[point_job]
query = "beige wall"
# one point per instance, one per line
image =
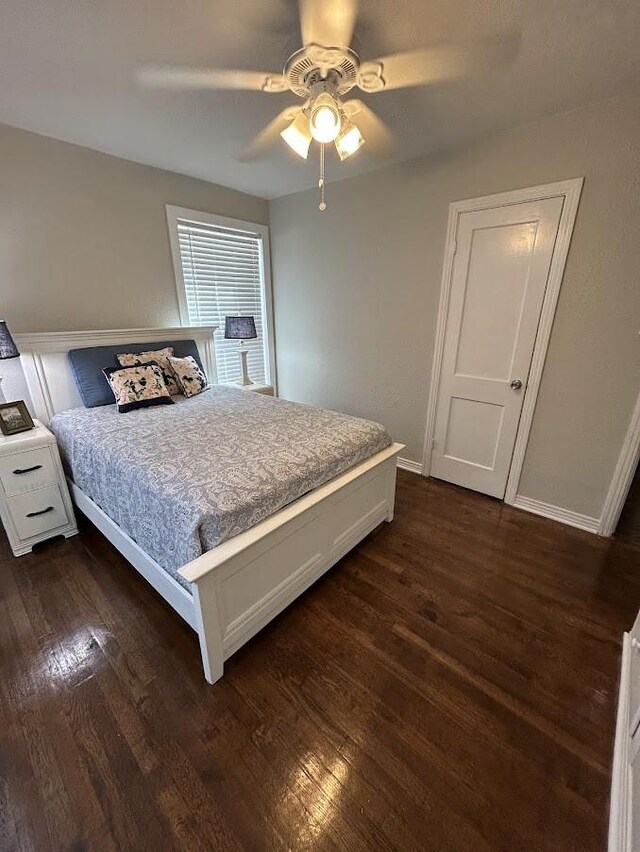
(356, 292)
(83, 237)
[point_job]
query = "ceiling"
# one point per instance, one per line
(67, 70)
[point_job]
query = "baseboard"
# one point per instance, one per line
(556, 513)
(411, 466)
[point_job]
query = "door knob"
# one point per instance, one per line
(516, 384)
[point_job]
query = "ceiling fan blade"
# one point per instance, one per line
(328, 23)
(437, 64)
(269, 135)
(379, 140)
(184, 77)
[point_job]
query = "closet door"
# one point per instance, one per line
(498, 282)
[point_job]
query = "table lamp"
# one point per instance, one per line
(241, 328)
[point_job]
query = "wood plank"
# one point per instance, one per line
(450, 684)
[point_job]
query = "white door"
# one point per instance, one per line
(498, 281)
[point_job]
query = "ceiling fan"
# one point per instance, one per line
(326, 69)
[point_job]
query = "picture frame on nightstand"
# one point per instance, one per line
(15, 418)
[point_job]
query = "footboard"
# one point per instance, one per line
(245, 582)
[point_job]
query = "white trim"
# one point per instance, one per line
(272, 379)
(619, 808)
(175, 213)
(622, 475)
(438, 346)
(62, 341)
(571, 190)
(556, 513)
(411, 466)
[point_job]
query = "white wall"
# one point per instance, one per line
(356, 292)
(84, 241)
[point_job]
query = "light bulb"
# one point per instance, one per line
(325, 119)
(325, 124)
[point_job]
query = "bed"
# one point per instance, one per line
(229, 503)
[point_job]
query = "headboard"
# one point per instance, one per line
(48, 372)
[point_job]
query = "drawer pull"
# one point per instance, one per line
(18, 471)
(41, 512)
(635, 644)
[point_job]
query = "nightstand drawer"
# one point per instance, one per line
(38, 511)
(22, 472)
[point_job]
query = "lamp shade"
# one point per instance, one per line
(8, 348)
(239, 328)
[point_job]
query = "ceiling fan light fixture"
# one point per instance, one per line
(325, 118)
(297, 135)
(349, 140)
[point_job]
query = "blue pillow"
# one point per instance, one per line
(87, 365)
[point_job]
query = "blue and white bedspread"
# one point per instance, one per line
(180, 479)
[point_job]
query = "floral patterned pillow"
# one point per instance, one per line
(137, 387)
(160, 357)
(190, 377)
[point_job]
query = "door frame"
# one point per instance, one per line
(622, 476)
(570, 191)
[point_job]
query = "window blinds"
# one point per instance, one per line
(222, 271)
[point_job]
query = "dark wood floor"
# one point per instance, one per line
(450, 685)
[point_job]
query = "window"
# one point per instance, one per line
(221, 267)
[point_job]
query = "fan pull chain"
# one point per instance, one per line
(322, 205)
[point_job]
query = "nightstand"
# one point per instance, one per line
(267, 390)
(34, 498)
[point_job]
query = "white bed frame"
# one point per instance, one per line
(239, 586)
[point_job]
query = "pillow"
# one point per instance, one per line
(161, 358)
(88, 361)
(137, 387)
(190, 377)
